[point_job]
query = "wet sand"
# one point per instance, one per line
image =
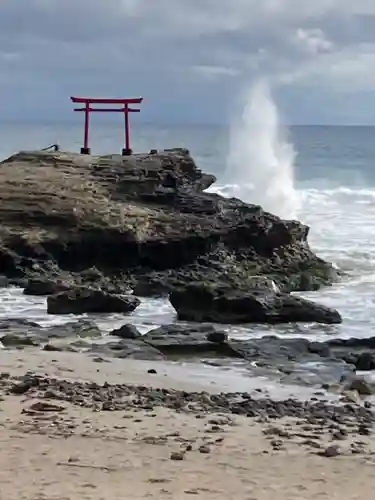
(57, 451)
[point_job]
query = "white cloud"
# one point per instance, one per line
(183, 49)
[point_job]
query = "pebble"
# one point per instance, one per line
(204, 449)
(313, 417)
(331, 451)
(177, 455)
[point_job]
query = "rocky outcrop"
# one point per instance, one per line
(291, 360)
(145, 220)
(203, 303)
(81, 300)
(19, 333)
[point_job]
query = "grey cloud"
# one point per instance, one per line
(180, 50)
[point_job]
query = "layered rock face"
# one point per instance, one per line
(142, 221)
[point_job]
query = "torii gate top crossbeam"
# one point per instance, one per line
(106, 100)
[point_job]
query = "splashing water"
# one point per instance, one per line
(260, 159)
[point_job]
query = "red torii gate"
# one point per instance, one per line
(87, 101)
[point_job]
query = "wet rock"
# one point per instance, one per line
(148, 287)
(59, 348)
(365, 361)
(14, 340)
(44, 287)
(81, 328)
(17, 324)
(360, 385)
(127, 331)
(53, 348)
(217, 337)
(79, 301)
(4, 282)
(203, 303)
(188, 340)
(127, 348)
(20, 333)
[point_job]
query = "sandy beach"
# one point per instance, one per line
(58, 451)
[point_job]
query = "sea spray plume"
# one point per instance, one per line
(260, 159)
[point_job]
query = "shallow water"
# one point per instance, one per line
(334, 183)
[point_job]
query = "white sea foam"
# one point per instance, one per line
(260, 159)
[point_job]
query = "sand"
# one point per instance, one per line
(79, 454)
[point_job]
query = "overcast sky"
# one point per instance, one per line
(190, 59)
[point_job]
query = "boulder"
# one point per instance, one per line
(44, 287)
(126, 332)
(4, 282)
(203, 303)
(79, 301)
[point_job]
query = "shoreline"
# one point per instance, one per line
(186, 376)
(118, 434)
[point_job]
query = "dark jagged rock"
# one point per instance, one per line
(126, 332)
(21, 333)
(142, 217)
(79, 301)
(44, 287)
(148, 287)
(17, 340)
(4, 282)
(82, 329)
(207, 303)
(185, 341)
(127, 348)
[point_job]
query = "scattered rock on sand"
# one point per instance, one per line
(177, 455)
(86, 300)
(204, 449)
(331, 451)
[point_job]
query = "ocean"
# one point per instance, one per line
(321, 175)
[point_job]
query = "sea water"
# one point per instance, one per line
(324, 176)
